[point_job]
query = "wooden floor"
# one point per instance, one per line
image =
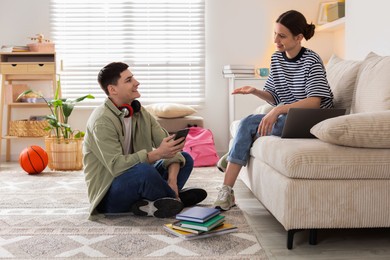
(331, 244)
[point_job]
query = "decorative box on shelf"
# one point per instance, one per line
(42, 44)
(41, 47)
(335, 11)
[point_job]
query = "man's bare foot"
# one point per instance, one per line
(175, 189)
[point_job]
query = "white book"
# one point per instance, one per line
(233, 71)
(239, 75)
(239, 67)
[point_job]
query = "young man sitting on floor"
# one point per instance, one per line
(131, 163)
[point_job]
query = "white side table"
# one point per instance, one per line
(240, 105)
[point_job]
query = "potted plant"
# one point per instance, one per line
(63, 145)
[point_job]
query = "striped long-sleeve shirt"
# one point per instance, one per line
(291, 80)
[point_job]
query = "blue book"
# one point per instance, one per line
(198, 214)
(206, 226)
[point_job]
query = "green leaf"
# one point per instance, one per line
(57, 94)
(64, 125)
(56, 102)
(51, 117)
(53, 123)
(67, 108)
(79, 135)
(84, 97)
(25, 93)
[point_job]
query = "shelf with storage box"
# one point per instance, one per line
(21, 71)
(332, 26)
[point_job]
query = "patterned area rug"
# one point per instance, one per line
(45, 216)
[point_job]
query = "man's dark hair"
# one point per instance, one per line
(110, 74)
(296, 23)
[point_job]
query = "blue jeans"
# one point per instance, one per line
(247, 134)
(142, 181)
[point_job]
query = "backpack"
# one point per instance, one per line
(200, 145)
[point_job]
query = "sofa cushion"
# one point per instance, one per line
(369, 130)
(170, 110)
(315, 159)
(373, 85)
(263, 109)
(234, 127)
(172, 125)
(341, 75)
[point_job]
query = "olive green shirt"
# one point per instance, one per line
(103, 147)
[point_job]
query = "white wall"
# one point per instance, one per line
(367, 28)
(237, 31)
(20, 19)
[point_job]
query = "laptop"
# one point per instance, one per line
(299, 121)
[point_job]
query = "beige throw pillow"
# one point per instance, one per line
(368, 130)
(373, 85)
(170, 110)
(341, 75)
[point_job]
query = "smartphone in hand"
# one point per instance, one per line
(181, 133)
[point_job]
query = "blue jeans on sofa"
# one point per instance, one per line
(247, 134)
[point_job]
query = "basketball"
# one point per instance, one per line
(33, 159)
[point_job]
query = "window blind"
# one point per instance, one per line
(161, 40)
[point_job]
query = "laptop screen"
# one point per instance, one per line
(299, 121)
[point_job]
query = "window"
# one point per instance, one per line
(161, 40)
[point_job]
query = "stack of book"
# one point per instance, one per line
(199, 222)
(238, 71)
(8, 48)
(20, 49)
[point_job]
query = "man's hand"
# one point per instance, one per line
(167, 149)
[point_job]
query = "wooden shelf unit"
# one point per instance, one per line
(23, 66)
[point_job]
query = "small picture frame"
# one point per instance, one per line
(322, 13)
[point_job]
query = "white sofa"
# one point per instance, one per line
(341, 179)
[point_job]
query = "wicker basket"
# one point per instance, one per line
(64, 154)
(28, 128)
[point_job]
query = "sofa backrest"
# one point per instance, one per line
(341, 75)
(372, 92)
(360, 86)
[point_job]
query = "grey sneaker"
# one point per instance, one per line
(222, 163)
(225, 199)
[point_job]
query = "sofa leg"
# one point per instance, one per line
(313, 236)
(290, 237)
